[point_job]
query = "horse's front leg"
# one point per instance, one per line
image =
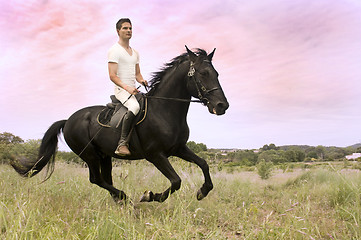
(163, 165)
(190, 156)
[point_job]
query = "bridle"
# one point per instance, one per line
(199, 86)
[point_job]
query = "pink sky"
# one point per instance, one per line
(291, 70)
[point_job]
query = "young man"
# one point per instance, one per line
(123, 66)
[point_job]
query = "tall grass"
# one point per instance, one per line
(307, 204)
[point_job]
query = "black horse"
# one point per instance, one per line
(163, 133)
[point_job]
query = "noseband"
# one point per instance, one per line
(199, 85)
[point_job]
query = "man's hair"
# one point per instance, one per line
(121, 21)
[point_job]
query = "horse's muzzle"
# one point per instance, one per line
(218, 109)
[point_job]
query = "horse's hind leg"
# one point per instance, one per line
(163, 165)
(190, 156)
(106, 173)
(100, 172)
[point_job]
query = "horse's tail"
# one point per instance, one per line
(47, 152)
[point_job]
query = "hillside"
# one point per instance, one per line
(357, 145)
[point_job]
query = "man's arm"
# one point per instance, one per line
(113, 68)
(138, 75)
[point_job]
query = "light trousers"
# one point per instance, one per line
(127, 100)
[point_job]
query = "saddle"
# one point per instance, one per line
(112, 115)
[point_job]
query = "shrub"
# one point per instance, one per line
(264, 169)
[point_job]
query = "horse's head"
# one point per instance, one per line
(203, 83)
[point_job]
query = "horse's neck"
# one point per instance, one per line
(174, 85)
(174, 88)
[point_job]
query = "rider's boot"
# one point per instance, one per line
(122, 149)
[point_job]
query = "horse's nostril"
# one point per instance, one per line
(223, 105)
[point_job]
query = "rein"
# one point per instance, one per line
(173, 99)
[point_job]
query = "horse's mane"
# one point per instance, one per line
(175, 62)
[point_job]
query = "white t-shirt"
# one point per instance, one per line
(126, 63)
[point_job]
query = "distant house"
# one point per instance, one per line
(227, 150)
(353, 156)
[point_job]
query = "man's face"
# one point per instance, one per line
(125, 31)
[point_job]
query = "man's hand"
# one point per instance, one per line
(131, 90)
(144, 83)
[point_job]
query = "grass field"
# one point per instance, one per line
(321, 203)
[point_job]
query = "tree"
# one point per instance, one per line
(294, 155)
(272, 156)
(5, 153)
(312, 154)
(250, 156)
(196, 147)
(265, 147)
(202, 146)
(300, 156)
(335, 153)
(28, 149)
(290, 156)
(272, 146)
(320, 152)
(358, 150)
(9, 138)
(247, 157)
(7, 142)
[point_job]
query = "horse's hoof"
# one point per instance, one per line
(147, 196)
(200, 195)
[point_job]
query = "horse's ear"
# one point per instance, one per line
(210, 56)
(192, 55)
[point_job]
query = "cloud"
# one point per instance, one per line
(47, 46)
(281, 63)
